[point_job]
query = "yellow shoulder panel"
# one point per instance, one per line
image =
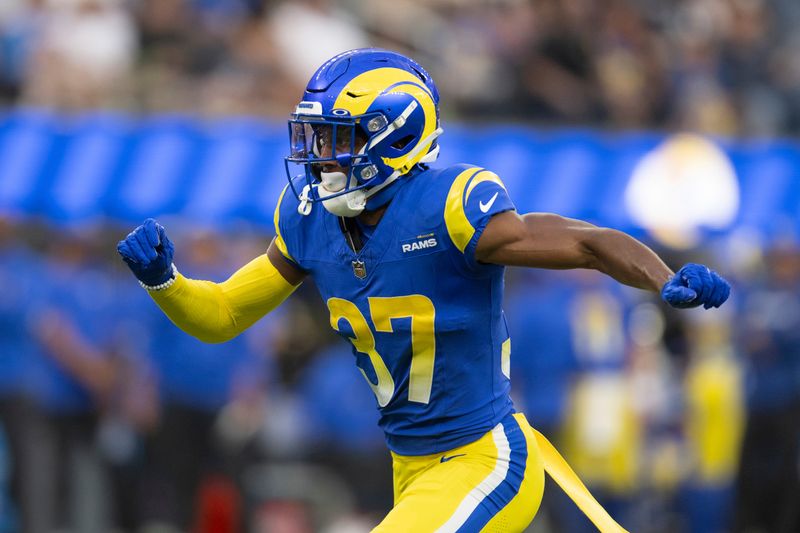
(458, 225)
(482, 176)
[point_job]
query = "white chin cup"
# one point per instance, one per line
(332, 182)
(350, 204)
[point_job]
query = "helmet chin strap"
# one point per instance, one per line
(353, 203)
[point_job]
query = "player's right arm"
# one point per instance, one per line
(545, 240)
(212, 312)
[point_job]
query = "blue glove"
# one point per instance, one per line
(148, 253)
(695, 285)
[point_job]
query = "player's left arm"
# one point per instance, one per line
(546, 240)
(212, 312)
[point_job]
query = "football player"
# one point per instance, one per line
(410, 260)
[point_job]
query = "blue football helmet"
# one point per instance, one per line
(367, 117)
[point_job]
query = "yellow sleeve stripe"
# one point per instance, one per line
(481, 177)
(568, 480)
(279, 242)
(458, 226)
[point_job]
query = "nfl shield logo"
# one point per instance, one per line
(359, 269)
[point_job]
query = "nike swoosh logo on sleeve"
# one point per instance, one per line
(485, 207)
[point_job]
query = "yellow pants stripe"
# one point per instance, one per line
(568, 480)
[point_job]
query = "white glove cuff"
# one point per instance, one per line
(162, 286)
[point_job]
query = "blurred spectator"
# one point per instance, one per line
(714, 420)
(73, 379)
(342, 425)
(253, 78)
(21, 24)
(132, 412)
(603, 435)
(8, 514)
(295, 25)
(83, 56)
(187, 459)
(558, 76)
(768, 487)
(20, 417)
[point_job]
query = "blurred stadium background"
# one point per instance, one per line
(673, 120)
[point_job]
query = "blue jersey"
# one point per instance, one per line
(424, 317)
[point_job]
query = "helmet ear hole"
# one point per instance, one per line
(403, 142)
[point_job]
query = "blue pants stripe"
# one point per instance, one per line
(494, 502)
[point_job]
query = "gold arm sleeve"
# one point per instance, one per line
(217, 312)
